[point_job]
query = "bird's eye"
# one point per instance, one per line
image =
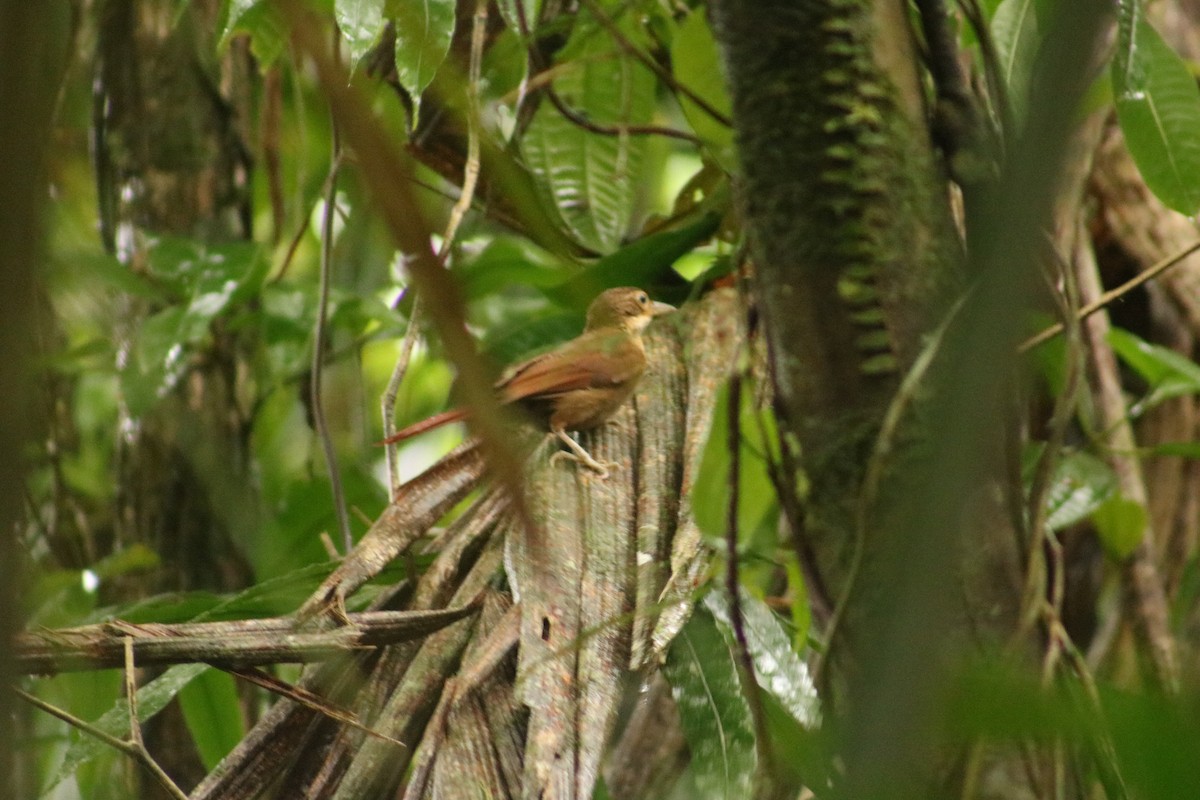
(642, 299)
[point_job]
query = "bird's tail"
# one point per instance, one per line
(427, 424)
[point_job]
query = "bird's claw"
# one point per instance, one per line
(601, 467)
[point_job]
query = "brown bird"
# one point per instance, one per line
(581, 383)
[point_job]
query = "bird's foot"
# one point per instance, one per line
(580, 456)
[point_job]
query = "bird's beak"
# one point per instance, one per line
(658, 309)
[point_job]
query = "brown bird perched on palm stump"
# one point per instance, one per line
(581, 383)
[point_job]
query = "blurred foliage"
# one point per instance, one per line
(639, 208)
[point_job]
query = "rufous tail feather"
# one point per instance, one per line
(427, 424)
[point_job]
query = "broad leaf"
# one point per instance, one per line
(592, 178)
(424, 29)
(212, 710)
(210, 278)
(520, 15)
(697, 66)
(1158, 107)
(1121, 525)
(1168, 373)
(757, 505)
(777, 667)
(1016, 35)
(360, 22)
(151, 699)
(645, 262)
(713, 712)
(265, 25)
(1080, 484)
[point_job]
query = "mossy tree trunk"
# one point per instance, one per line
(171, 161)
(907, 525)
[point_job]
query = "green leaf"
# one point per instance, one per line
(360, 22)
(520, 338)
(212, 278)
(117, 275)
(265, 25)
(158, 361)
(1016, 35)
(1121, 524)
(645, 262)
(697, 65)
(1158, 107)
(212, 709)
(514, 10)
(1156, 743)
(757, 505)
(777, 667)
(424, 29)
(592, 178)
(151, 699)
(713, 712)
(508, 261)
(1080, 484)
(1168, 373)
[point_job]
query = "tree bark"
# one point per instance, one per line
(170, 161)
(35, 39)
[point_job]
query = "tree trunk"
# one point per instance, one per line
(171, 162)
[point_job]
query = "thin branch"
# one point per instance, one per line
(135, 727)
(575, 118)
(131, 749)
(293, 246)
(1041, 541)
(1108, 297)
(388, 403)
(957, 120)
(319, 342)
(737, 621)
(1145, 597)
(457, 212)
(386, 174)
(471, 168)
(996, 85)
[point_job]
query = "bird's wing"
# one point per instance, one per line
(591, 361)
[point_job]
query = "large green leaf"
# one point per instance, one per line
(262, 21)
(757, 504)
(212, 710)
(151, 699)
(1016, 35)
(508, 261)
(713, 712)
(209, 279)
(360, 22)
(645, 262)
(697, 66)
(1080, 484)
(777, 667)
(1121, 524)
(1168, 373)
(1158, 107)
(592, 178)
(520, 14)
(424, 29)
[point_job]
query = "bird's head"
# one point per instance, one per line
(625, 307)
